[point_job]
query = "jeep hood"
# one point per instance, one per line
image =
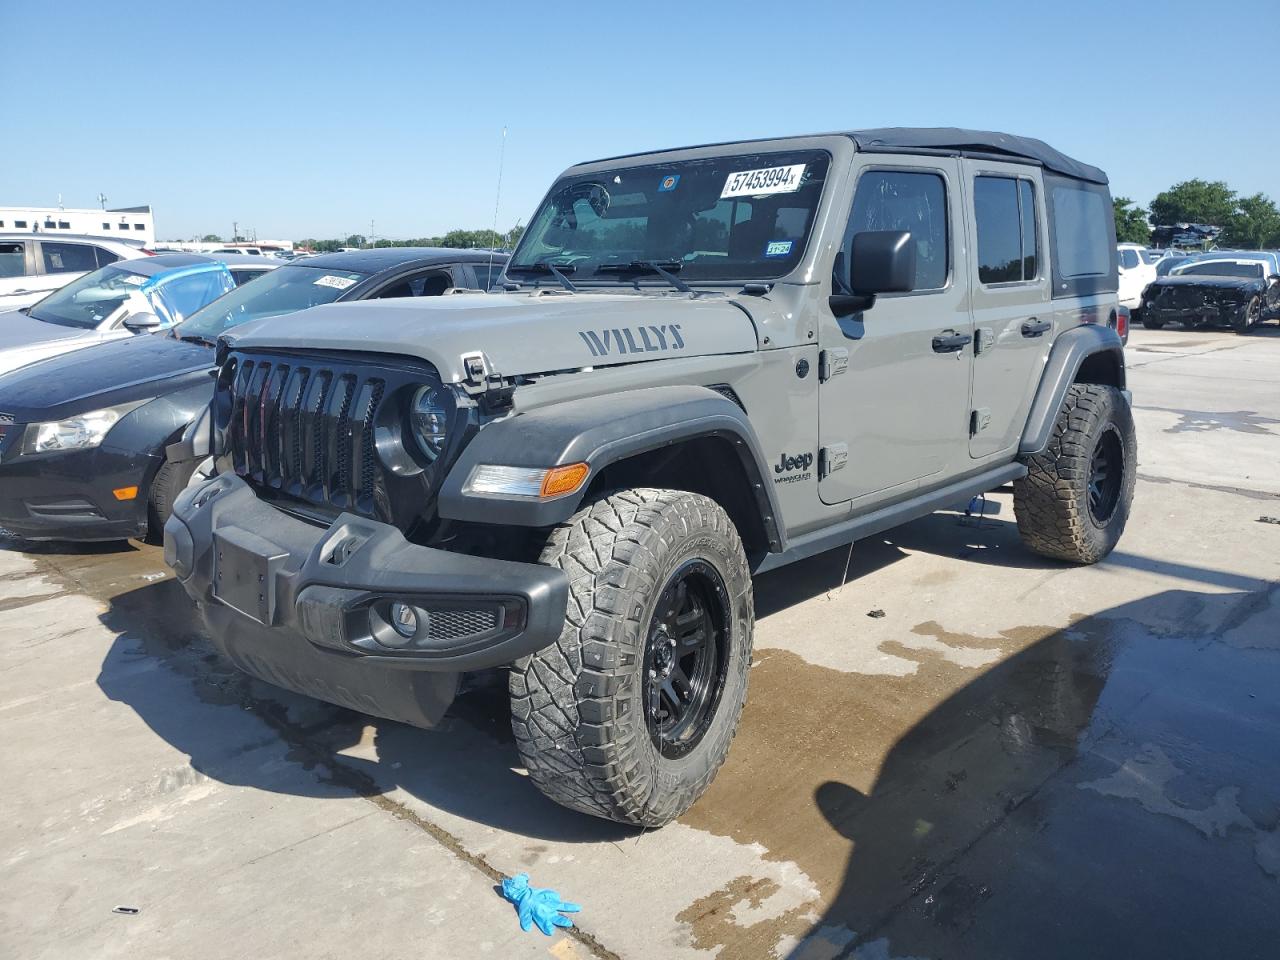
(518, 333)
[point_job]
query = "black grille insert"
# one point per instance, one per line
(307, 427)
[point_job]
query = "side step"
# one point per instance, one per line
(886, 518)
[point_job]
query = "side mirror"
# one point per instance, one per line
(143, 322)
(881, 261)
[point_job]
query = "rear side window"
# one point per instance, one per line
(1084, 237)
(1005, 213)
(105, 256)
(12, 260)
(900, 200)
(68, 257)
(1128, 258)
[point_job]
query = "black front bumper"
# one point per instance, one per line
(68, 495)
(308, 607)
(1208, 312)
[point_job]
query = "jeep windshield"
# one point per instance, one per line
(282, 290)
(744, 217)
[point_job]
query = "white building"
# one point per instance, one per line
(123, 223)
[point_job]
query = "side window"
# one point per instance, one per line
(182, 296)
(12, 260)
(487, 276)
(242, 277)
(898, 200)
(105, 256)
(68, 257)
(1082, 231)
(1005, 213)
(1128, 258)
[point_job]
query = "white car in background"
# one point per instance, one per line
(33, 265)
(1136, 271)
(120, 300)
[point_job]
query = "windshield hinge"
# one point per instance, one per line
(832, 363)
(756, 289)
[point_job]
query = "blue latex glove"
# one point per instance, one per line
(537, 904)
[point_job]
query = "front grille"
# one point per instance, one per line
(306, 429)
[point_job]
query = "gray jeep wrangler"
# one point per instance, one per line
(707, 363)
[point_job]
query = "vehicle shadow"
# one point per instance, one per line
(1003, 824)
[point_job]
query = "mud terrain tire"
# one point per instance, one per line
(589, 712)
(1074, 501)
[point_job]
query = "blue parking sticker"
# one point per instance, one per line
(778, 248)
(669, 183)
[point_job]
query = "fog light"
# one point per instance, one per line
(404, 619)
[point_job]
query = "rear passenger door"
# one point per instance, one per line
(1011, 300)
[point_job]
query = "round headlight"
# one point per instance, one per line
(430, 420)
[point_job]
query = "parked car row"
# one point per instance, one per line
(1238, 289)
(100, 410)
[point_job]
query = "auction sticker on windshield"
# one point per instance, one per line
(760, 183)
(338, 283)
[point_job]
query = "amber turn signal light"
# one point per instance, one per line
(125, 493)
(560, 480)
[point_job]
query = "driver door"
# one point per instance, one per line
(894, 397)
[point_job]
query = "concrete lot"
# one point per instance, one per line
(1018, 759)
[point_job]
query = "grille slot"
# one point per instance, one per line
(456, 624)
(307, 429)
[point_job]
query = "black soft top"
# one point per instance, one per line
(954, 141)
(937, 141)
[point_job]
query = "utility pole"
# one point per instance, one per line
(235, 230)
(102, 199)
(370, 241)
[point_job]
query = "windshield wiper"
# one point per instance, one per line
(197, 338)
(542, 266)
(666, 269)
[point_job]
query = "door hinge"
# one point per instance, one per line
(979, 420)
(984, 339)
(832, 458)
(832, 363)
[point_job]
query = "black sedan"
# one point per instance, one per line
(1229, 291)
(83, 436)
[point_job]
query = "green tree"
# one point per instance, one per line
(514, 235)
(1255, 224)
(211, 238)
(1194, 201)
(1131, 221)
(355, 240)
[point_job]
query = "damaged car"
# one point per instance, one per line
(1237, 292)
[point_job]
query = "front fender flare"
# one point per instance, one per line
(1068, 354)
(599, 431)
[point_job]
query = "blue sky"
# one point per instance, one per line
(311, 119)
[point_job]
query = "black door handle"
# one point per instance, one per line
(1034, 327)
(950, 342)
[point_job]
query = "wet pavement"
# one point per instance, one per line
(1018, 758)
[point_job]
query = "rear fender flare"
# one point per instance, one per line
(1090, 353)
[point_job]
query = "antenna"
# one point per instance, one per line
(502, 156)
(102, 199)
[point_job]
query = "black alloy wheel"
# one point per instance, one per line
(686, 658)
(1106, 474)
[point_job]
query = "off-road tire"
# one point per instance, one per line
(1052, 503)
(1249, 317)
(170, 480)
(576, 706)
